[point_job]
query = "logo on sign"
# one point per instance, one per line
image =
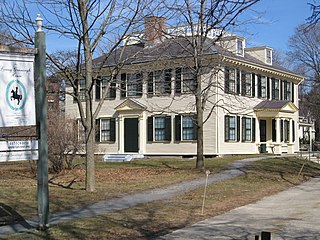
(16, 95)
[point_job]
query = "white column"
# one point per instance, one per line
(120, 134)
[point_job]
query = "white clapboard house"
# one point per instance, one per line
(252, 105)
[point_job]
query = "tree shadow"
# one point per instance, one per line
(8, 216)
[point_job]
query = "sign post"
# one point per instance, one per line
(42, 125)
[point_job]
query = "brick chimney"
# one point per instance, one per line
(154, 30)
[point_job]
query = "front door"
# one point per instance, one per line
(131, 135)
(263, 130)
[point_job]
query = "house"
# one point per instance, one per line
(252, 105)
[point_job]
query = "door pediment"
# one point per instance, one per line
(130, 105)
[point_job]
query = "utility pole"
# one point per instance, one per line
(42, 125)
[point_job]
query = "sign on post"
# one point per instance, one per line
(18, 150)
(17, 90)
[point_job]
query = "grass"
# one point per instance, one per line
(157, 218)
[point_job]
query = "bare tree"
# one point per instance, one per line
(202, 18)
(88, 25)
(315, 13)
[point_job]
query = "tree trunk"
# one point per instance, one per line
(90, 164)
(200, 160)
(199, 109)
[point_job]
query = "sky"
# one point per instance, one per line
(277, 23)
(272, 24)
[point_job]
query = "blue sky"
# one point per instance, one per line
(275, 23)
(278, 22)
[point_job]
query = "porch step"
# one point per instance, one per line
(121, 157)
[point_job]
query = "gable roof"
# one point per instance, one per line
(181, 47)
(275, 105)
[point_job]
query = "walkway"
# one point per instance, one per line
(291, 214)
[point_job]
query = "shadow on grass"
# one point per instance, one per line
(8, 216)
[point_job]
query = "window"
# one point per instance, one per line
(131, 84)
(185, 127)
(275, 89)
(268, 56)
(159, 128)
(246, 82)
(82, 88)
(262, 86)
(185, 81)
(230, 80)
(230, 128)
(287, 91)
(246, 129)
(188, 129)
(105, 130)
(240, 49)
(102, 86)
(159, 82)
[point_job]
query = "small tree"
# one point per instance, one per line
(63, 141)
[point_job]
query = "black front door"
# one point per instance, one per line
(131, 135)
(263, 130)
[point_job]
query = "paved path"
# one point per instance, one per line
(132, 200)
(291, 214)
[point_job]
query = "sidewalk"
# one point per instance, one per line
(291, 214)
(131, 200)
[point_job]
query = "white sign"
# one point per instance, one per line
(18, 150)
(16, 91)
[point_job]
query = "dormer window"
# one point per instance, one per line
(268, 56)
(240, 47)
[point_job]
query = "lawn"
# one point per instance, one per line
(157, 218)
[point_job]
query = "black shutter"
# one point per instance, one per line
(273, 89)
(123, 84)
(285, 92)
(167, 80)
(274, 130)
(281, 89)
(243, 83)
(253, 85)
(293, 132)
(150, 83)
(98, 89)
(226, 128)
(178, 81)
(150, 129)
(292, 92)
(259, 87)
(243, 129)
(178, 127)
(268, 88)
(226, 80)
(238, 80)
(238, 128)
(253, 129)
(281, 130)
(112, 129)
(112, 89)
(97, 130)
(168, 128)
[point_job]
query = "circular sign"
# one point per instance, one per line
(16, 95)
